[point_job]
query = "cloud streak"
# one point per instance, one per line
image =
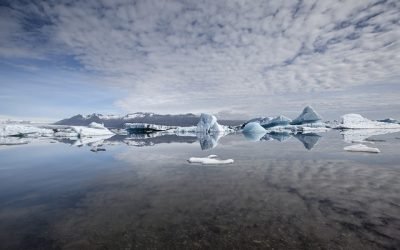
(177, 56)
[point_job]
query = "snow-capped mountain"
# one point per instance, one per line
(114, 121)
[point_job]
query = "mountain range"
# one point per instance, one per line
(114, 121)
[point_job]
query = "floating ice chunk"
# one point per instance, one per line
(253, 128)
(86, 131)
(277, 121)
(209, 160)
(356, 121)
(361, 148)
(309, 115)
(253, 131)
(208, 123)
(23, 130)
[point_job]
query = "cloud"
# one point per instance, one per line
(177, 56)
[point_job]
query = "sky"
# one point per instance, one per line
(235, 59)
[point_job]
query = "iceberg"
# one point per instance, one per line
(253, 131)
(277, 121)
(208, 123)
(253, 128)
(309, 121)
(356, 121)
(309, 115)
(210, 160)
(24, 130)
(361, 148)
(95, 129)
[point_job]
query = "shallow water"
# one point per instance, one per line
(301, 193)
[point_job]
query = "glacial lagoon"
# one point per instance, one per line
(140, 192)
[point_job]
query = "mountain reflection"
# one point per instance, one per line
(206, 141)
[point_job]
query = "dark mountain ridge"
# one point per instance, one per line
(112, 121)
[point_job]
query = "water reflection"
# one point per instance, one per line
(361, 135)
(205, 140)
(309, 140)
(276, 195)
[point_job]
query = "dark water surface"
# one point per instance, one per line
(301, 193)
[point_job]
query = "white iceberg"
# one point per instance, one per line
(24, 130)
(280, 120)
(361, 148)
(208, 123)
(209, 160)
(95, 129)
(309, 115)
(356, 121)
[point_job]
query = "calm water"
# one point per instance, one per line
(301, 193)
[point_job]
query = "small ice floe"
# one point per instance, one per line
(209, 160)
(361, 148)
